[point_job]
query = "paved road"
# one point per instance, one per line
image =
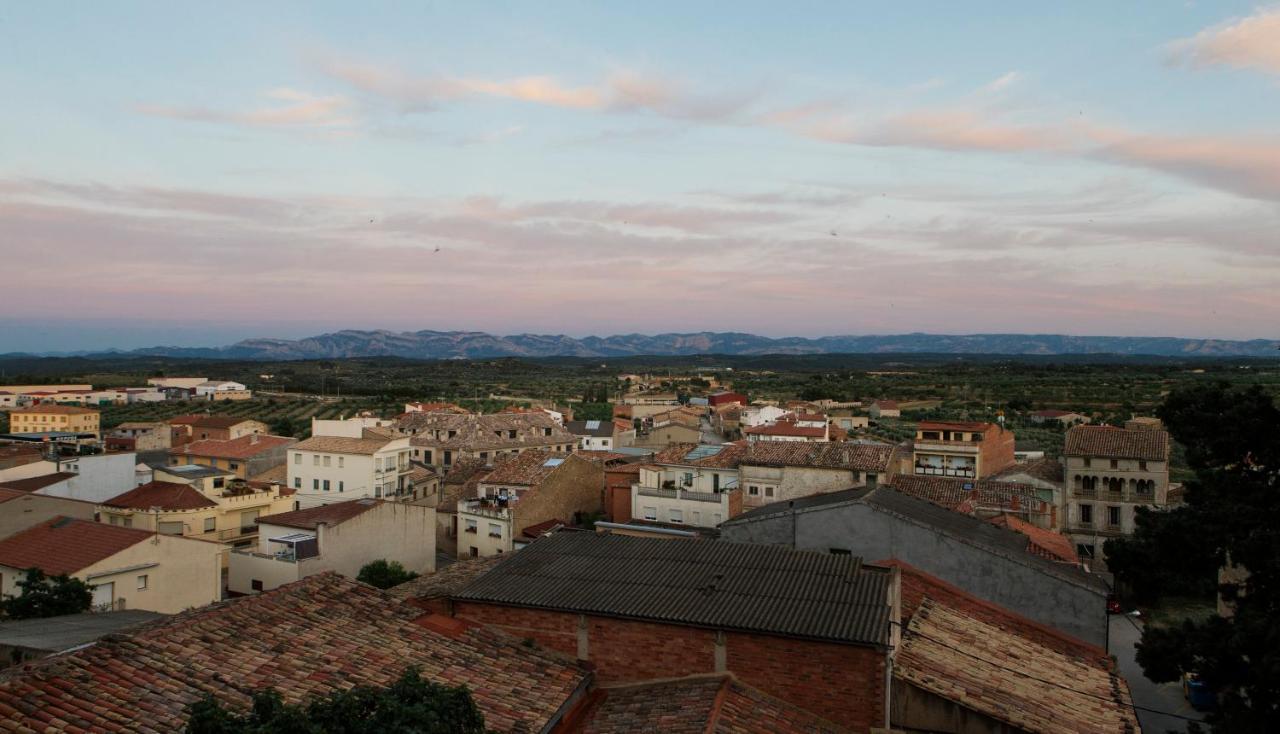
(1125, 633)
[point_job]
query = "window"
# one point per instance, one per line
(840, 551)
(142, 582)
(1115, 463)
(341, 461)
(768, 491)
(218, 482)
(112, 519)
(1142, 466)
(676, 516)
(256, 584)
(495, 530)
(339, 485)
(232, 465)
(326, 485)
(651, 513)
(1088, 462)
(471, 526)
(297, 482)
(753, 490)
(315, 460)
(426, 456)
(474, 552)
(448, 458)
(326, 461)
(210, 524)
(297, 458)
(171, 528)
(1113, 516)
(1086, 514)
(688, 479)
(1084, 550)
(315, 484)
(128, 522)
(697, 517)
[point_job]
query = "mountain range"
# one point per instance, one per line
(474, 344)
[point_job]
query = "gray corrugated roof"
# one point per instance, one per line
(741, 586)
(965, 527)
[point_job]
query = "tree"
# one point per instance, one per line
(283, 426)
(594, 412)
(47, 596)
(384, 574)
(1232, 440)
(410, 704)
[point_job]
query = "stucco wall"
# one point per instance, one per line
(20, 513)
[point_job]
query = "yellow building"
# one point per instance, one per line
(226, 514)
(48, 417)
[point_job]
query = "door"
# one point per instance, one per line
(104, 595)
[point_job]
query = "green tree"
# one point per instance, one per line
(594, 412)
(47, 596)
(410, 704)
(283, 426)
(384, 574)
(1232, 441)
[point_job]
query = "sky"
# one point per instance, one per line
(193, 174)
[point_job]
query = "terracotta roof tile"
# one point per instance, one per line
(529, 468)
(1048, 543)
(851, 456)
(445, 581)
(1009, 678)
(342, 445)
(66, 545)
(966, 495)
(331, 514)
(782, 428)
(1046, 470)
(162, 495)
(245, 447)
(484, 432)
(310, 638)
(1109, 442)
(701, 704)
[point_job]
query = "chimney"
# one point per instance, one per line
(253, 438)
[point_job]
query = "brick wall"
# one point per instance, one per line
(573, 488)
(996, 451)
(843, 683)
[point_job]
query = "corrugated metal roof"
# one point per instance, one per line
(739, 586)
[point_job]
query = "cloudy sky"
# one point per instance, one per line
(174, 175)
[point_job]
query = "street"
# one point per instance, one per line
(709, 435)
(1126, 631)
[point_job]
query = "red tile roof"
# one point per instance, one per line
(332, 514)
(848, 456)
(700, 704)
(11, 494)
(538, 529)
(528, 468)
(31, 484)
(245, 447)
(1109, 442)
(782, 428)
(1048, 543)
(66, 545)
(968, 426)
(446, 580)
(999, 675)
(162, 495)
(966, 495)
(319, 635)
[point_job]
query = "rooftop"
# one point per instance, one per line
(340, 633)
(1009, 678)
(56, 634)
(195, 471)
(343, 445)
(447, 580)
(963, 495)
(528, 468)
(746, 587)
(1048, 543)
(967, 426)
(200, 420)
(331, 514)
(66, 545)
(480, 432)
(782, 428)
(700, 704)
(31, 484)
(54, 409)
(599, 429)
(245, 447)
(851, 456)
(1046, 470)
(969, 529)
(1108, 442)
(162, 496)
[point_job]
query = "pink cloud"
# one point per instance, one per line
(1244, 43)
(293, 109)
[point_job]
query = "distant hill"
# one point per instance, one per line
(474, 344)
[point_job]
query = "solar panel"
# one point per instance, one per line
(702, 452)
(593, 425)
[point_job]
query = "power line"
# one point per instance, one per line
(1135, 706)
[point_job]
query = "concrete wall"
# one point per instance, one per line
(98, 478)
(682, 508)
(20, 513)
(1015, 583)
(350, 476)
(660, 438)
(394, 531)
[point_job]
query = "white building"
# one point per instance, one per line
(342, 537)
(216, 389)
(372, 463)
(593, 435)
(188, 383)
(91, 478)
(759, 415)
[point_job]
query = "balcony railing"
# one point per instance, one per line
(939, 471)
(235, 533)
(681, 494)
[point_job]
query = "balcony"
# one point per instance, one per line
(236, 533)
(680, 494)
(949, 471)
(946, 447)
